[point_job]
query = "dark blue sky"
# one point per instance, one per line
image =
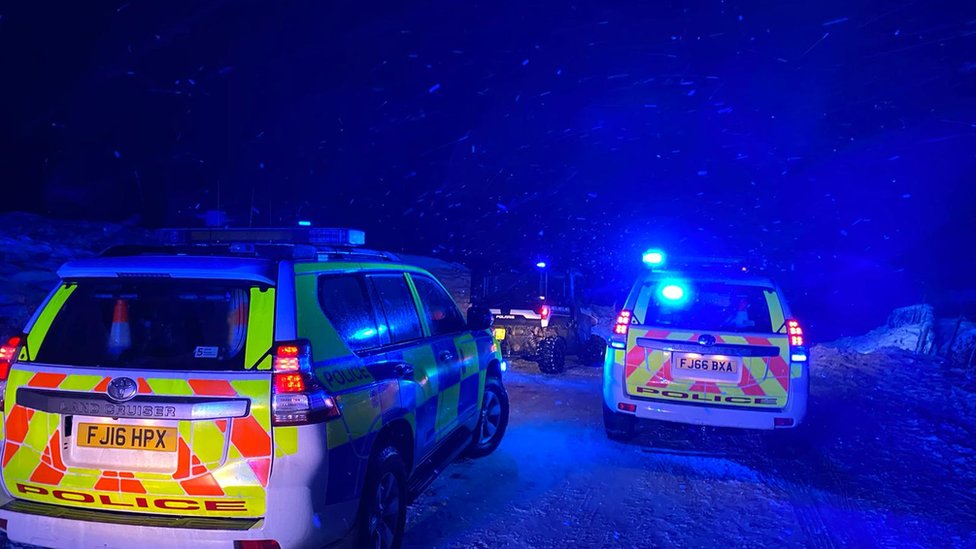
(836, 139)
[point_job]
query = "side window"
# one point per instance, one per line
(441, 312)
(346, 303)
(398, 305)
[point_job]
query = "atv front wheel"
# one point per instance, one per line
(552, 355)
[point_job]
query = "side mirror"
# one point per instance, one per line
(479, 318)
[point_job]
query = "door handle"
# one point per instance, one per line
(403, 370)
(445, 356)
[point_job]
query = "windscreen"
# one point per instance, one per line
(165, 324)
(706, 306)
(525, 290)
(513, 290)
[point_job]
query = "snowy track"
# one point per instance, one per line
(884, 460)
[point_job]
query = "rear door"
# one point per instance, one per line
(146, 395)
(458, 382)
(709, 342)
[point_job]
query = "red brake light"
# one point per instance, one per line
(796, 333)
(8, 354)
(297, 397)
(544, 311)
(289, 383)
(623, 322)
(618, 340)
(798, 349)
(291, 357)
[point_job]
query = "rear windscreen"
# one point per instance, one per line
(165, 324)
(709, 306)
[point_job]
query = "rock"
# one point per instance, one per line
(910, 328)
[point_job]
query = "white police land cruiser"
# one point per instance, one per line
(704, 343)
(253, 389)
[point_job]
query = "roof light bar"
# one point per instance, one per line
(654, 258)
(289, 235)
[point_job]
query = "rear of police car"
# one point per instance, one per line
(150, 402)
(707, 344)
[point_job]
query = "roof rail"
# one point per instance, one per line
(300, 252)
(269, 251)
(282, 235)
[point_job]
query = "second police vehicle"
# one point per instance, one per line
(237, 388)
(706, 343)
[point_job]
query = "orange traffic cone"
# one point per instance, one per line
(119, 337)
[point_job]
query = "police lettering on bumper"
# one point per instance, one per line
(700, 397)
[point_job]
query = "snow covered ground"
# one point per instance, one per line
(886, 459)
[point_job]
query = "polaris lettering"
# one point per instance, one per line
(140, 502)
(701, 397)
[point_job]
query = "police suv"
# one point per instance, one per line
(240, 388)
(705, 343)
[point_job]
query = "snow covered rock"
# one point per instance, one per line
(911, 328)
(604, 318)
(957, 341)
(33, 247)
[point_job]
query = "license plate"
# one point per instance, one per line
(706, 366)
(127, 437)
(500, 334)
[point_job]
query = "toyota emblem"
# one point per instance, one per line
(706, 340)
(122, 389)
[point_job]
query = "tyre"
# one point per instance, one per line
(593, 350)
(619, 426)
(552, 355)
(492, 422)
(383, 508)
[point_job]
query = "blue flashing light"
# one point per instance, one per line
(304, 223)
(673, 292)
(798, 357)
(504, 366)
(541, 264)
(654, 258)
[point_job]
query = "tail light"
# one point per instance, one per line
(544, 311)
(618, 340)
(8, 355)
(297, 397)
(798, 347)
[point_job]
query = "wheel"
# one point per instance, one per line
(383, 508)
(593, 350)
(552, 355)
(618, 426)
(492, 422)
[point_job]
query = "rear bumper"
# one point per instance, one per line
(289, 524)
(297, 514)
(795, 410)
